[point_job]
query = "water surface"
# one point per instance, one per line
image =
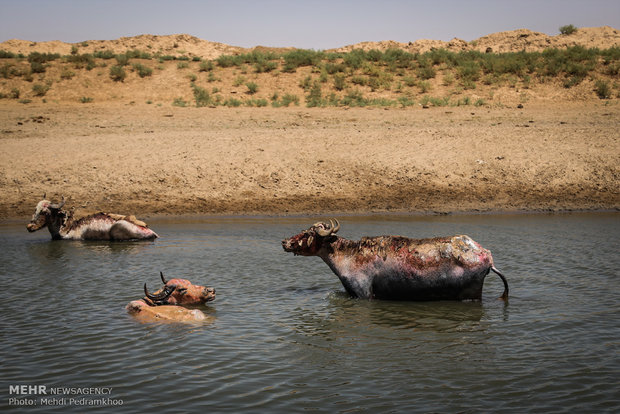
(284, 337)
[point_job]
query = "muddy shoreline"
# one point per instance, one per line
(168, 161)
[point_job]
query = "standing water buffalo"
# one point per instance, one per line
(167, 304)
(99, 226)
(399, 268)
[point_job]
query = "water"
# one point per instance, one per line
(284, 337)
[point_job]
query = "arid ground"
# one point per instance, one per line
(151, 160)
(183, 133)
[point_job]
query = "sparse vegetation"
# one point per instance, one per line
(252, 87)
(602, 89)
(179, 102)
(39, 89)
(143, 71)
(358, 78)
(202, 96)
(567, 29)
(117, 73)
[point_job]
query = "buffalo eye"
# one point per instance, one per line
(182, 291)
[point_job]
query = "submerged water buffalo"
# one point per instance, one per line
(167, 304)
(400, 268)
(100, 226)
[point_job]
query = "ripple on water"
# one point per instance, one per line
(286, 338)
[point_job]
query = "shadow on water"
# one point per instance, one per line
(342, 313)
(56, 249)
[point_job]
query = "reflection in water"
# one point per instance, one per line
(284, 337)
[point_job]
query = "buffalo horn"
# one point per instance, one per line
(325, 230)
(58, 206)
(321, 231)
(337, 227)
(163, 279)
(159, 297)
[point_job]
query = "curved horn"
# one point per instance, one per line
(59, 205)
(159, 297)
(335, 228)
(325, 229)
(163, 279)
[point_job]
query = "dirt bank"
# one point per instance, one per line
(153, 160)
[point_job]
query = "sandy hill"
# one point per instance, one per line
(178, 72)
(511, 41)
(183, 44)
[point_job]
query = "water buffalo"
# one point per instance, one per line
(100, 226)
(167, 304)
(400, 268)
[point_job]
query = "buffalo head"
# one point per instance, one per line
(45, 213)
(310, 241)
(179, 292)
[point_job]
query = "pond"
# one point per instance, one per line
(283, 336)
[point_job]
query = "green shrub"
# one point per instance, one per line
(104, 54)
(143, 71)
(469, 70)
(66, 74)
(264, 66)
(42, 57)
(206, 66)
(202, 96)
(252, 87)
(117, 73)
(288, 99)
(7, 55)
(339, 81)
(37, 67)
(39, 89)
(567, 29)
(354, 98)
(426, 72)
(306, 83)
(227, 61)
(359, 80)
(448, 79)
(14, 93)
(301, 57)
(409, 81)
(80, 61)
(314, 98)
(179, 102)
(85, 99)
(424, 86)
(182, 65)
(354, 59)
(257, 102)
(233, 102)
(406, 101)
(122, 59)
(602, 89)
(333, 68)
(7, 71)
(239, 80)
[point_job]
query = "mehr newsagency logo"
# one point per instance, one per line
(34, 395)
